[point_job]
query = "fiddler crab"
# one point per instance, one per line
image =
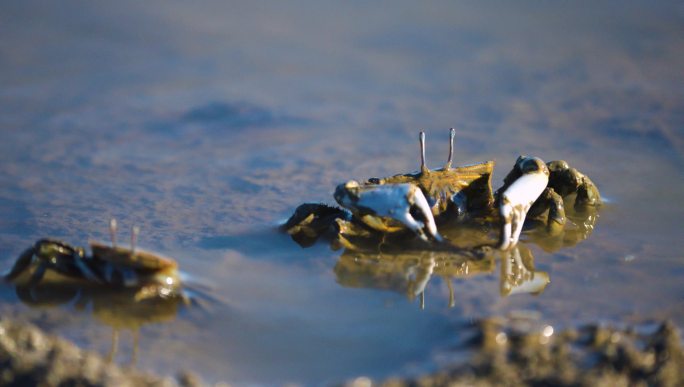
(387, 211)
(123, 287)
(144, 274)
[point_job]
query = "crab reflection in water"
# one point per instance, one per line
(114, 308)
(386, 264)
(410, 273)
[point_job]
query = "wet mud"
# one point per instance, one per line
(207, 125)
(594, 355)
(504, 352)
(30, 357)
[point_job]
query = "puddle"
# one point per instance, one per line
(206, 126)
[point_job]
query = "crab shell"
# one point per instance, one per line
(156, 276)
(138, 259)
(474, 182)
(383, 204)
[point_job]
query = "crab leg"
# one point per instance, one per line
(85, 270)
(21, 265)
(556, 217)
(38, 274)
(517, 199)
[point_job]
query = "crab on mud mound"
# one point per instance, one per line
(54, 264)
(389, 211)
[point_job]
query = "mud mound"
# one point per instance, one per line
(591, 356)
(29, 357)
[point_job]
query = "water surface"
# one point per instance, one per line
(207, 124)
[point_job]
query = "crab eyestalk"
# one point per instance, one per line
(519, 196)
(452, 134)
(112, 231)
(134, 238)
(423, 167)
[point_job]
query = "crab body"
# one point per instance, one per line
(451, 190)
(50, 262)
(153, 274)
(420, 202)
(417, 201)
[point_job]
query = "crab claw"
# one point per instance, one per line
(20, 266)
(374, 204)
(518, 197)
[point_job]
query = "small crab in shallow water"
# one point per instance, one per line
(51, 261)
(387, 210)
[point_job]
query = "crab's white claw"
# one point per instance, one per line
(390, 201)
(422, 205)
(517, 199)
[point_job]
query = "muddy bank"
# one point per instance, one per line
(591, 356)
(504, 353)
(30, 357)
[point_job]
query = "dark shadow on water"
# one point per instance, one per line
(219, 116)
(238, 115)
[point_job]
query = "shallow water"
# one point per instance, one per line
(208, 124)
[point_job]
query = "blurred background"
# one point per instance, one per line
(207, 123)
